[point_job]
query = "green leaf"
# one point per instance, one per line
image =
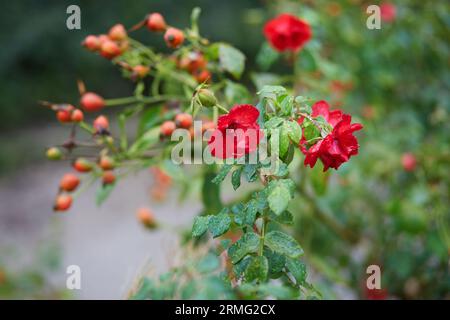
(219, 224)
(149, 118)
(294, 131)
(276, 262)
(257, 269)
(266, 56)
(282, 169)
(231, 59)
(236, 178)
(279, 198)
(286, 104)
(284, 141)
(285, 217)
(143, 143)
(297, 269)
(224, 170)
(283, 243)
(200, 225)
(103, 193)
(239, 268)
(251, 210)
(250, 172)
(249, 243)
(236, 93)
(273, 123)
(310, 130)
(272, 92)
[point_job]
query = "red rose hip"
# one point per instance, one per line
(117, 32)
(174, 37)
(69, 182)
(91, 102)
(156, 22)
(92, 43)
(63, 202)
(183, 120)
(167, 128)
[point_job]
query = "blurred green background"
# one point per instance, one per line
(399, 90)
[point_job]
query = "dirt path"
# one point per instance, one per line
(107, 242)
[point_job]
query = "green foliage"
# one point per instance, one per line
(231, 60)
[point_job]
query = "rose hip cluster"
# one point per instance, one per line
(182, 121)
(195, 63)
(67, 113)
(70, 181)
(109, 45)
(155, 22)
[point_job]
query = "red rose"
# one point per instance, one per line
(339, 145)
(237, 133)
(388, 12)
(287, 32)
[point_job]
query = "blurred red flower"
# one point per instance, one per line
(287, 32)
(339, 145)
(409, 161)
(237, 133)
(388, 12)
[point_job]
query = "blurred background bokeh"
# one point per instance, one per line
(395, 81)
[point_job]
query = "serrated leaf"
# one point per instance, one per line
(274, 122)
(297, 269)
(285, 217)
(276, 262)
(272, 92)
(249, 243)
(279, 198)
(231, 60)
(310, 131)
(236, 178)
(250, 172)
(239, 268)
(200, 225)
(251, 211)
(294, 131)
(224, 170)
(257, 269)
(219, 224)
(283, 243)
(284, 142)
(286, 104)
(281, 169)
